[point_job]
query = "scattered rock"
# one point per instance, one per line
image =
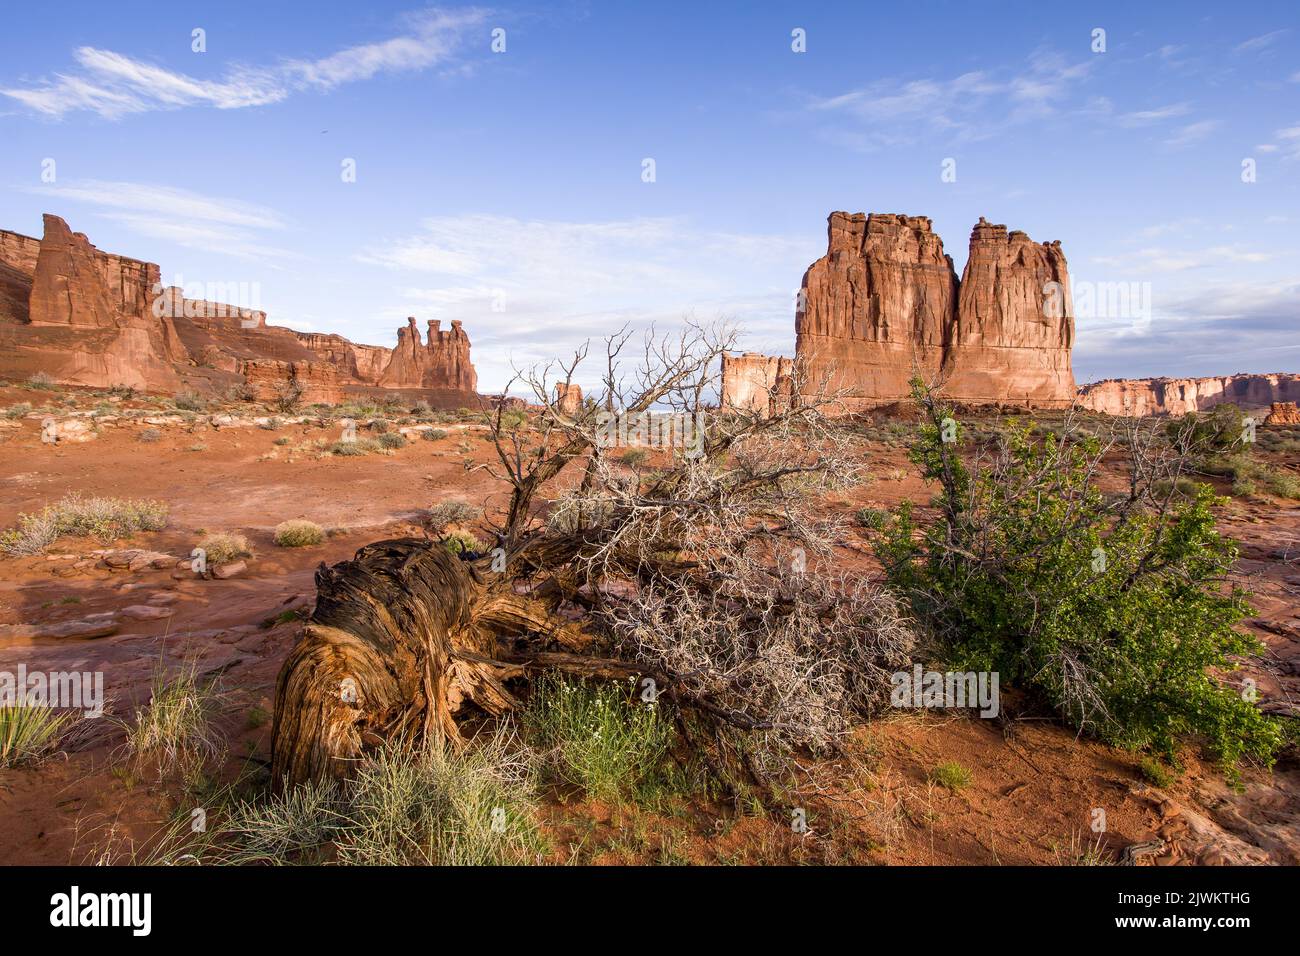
(223, 571)
(81, 629)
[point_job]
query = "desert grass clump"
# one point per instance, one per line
(189, 402)
(298, 533)
(433, 434)
(150, 435)
(597, 736)
(950, 775)
(392, 440)
(429, 805)
(224, 547)
(41, 381)
(103, 518)
(18, 410)
(177, 729)
(450, 512)
(29, 733)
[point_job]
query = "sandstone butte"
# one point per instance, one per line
(885, 303)
(86, 317)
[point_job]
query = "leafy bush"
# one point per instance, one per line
(599, 737)
(298, 534)
(462, 542)
(102, 518)
(1116, 613)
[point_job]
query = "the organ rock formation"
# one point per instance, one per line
(885, 303)
(86, 317)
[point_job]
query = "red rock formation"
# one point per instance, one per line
(442, 362)
(876, 308)
(884, 304)
(1015, 323)
(568, 398)
(106, 299)
(365, 363)
(315, 382)
(1283, 413)
(754, 382)
(1178, 396)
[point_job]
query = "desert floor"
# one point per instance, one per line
(1034, 785)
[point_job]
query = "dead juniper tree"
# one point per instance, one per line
(647, 536)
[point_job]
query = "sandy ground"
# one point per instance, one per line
(1035, 788)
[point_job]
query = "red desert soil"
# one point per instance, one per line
(1034, 786)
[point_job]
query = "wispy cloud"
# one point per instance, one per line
(1192, 133)
(972, 106)
(533, 289)
(114, 85)
(227, 226)
(1148, 117)
(1261, 42)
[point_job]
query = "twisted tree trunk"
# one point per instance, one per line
(403, 636)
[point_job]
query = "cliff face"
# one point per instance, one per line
(442, 362)
(1178, 396)
(753, 382)
(878, 305)
(86, 317)
(884, 303)
(1015, 323)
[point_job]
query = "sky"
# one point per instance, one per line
(547, 173)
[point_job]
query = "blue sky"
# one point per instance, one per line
(506, 189)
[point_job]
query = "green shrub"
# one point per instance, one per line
(871, 517)
(298, 534)
(1119, 622)
(460, 542)
(177, 729)
(103, 518)
(600, 737)
(433, 434)
(18, 411)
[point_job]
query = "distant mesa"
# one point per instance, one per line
(86, 317)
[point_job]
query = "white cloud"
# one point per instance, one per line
(113, 84)
(1261, 42)
(1192, 133)
(1147, 117)
(971, 106)
(531, 290)
(227, 226)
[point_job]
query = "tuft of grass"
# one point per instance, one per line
(29, 733)
(452, 511)
(177, 727)
(150, 435)
(189, 402)
(103, 518)
(433, 434)
(360, 446)
(471, 806)
(1156, 773)
(41, 381)
(224, 547)
(599, 737)
(951, 775)
(392, 440)
(18, 410)
(297, 533)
